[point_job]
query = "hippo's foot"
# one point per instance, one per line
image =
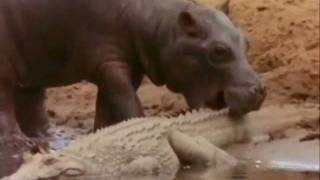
(15, 142)
(36, 130)
(12, 148)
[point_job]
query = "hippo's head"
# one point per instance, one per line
(206, 61)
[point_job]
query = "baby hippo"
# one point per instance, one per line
(192, 49)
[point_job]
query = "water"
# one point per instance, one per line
(242, 172)
(248, 171)
(245, 173)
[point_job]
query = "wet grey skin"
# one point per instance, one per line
(192, 49)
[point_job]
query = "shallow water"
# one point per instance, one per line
(245, 173)
(238, 173)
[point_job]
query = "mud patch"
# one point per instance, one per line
(284, 39)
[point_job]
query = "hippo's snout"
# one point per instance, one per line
(243, 99)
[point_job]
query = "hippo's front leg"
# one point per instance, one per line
(117, 99)
(12, 141)
(10, 132)
(30, 112)
(8, 123)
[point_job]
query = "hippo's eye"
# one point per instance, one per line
(219, 54)
(248, 45)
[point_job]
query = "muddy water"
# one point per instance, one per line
(245, 173)
(238, 173)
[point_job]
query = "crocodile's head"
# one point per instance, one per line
(47, 166)
(207, 62)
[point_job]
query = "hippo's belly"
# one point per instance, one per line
(51, 73)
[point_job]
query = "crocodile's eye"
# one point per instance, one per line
(219, 54)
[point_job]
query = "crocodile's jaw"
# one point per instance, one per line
(51, 165)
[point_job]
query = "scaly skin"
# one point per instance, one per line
(156, 145)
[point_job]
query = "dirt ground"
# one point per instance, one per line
(284, 38)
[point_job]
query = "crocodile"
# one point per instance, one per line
(160, 145)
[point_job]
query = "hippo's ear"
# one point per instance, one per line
(188, 24)
(224, 6)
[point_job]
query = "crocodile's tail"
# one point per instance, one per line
(276, 118)
(226, 130)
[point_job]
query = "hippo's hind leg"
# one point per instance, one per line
(12, 140)
(8, 123)
(30, 112)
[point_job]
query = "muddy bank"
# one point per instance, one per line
(284, 39)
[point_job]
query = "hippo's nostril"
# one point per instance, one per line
(263, 90)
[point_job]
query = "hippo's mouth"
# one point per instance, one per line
(218, 102)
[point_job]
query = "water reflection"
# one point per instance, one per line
(244, 172)
(241, 172)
